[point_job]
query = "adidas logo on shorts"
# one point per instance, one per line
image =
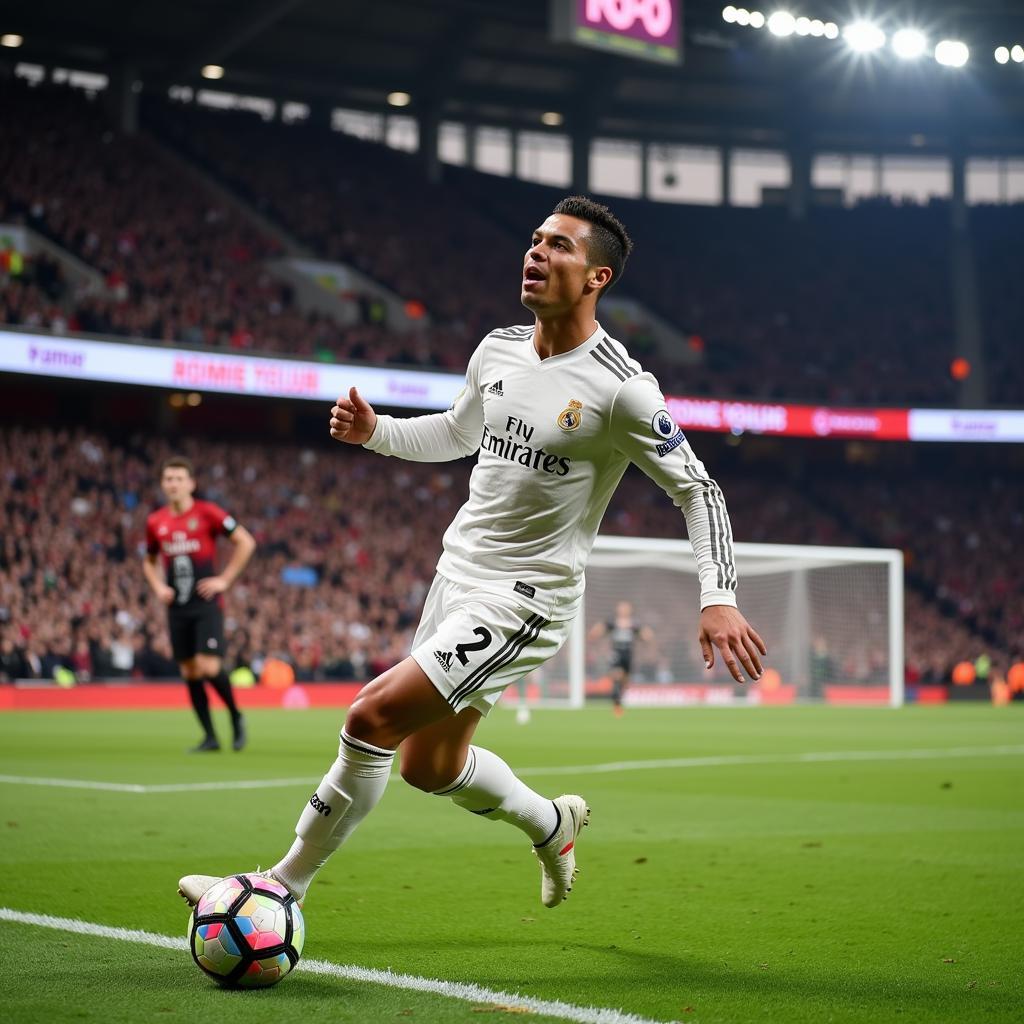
(444, 659)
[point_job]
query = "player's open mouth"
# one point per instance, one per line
(532, 276)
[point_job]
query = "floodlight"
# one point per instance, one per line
(863, 36)
(742, 16)
(729, 14)
(551, 118)
(399, 99)
(952, 53)
(781, 23)
(757, 19)
(1002, 55)
(909, 43)
(803, 26)
(817, 27)
(212, 71)
(12, 40)
(1017, 54)
(831, 30)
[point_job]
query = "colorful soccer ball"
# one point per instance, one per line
(247, 932)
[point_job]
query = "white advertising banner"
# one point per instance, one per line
(226, 372)
(979, 425)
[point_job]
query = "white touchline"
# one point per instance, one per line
(450, 989)
(712, 761)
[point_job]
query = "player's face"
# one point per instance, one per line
(556, 275)
(177, 484)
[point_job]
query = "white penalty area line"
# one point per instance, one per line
(610, 767)
(463, 991)
(813, 757)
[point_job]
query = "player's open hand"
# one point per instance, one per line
(722, 626)
(352, 419)
(210, 586)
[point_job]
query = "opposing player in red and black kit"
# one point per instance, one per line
(183, 537)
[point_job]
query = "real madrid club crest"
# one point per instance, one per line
(571, 416)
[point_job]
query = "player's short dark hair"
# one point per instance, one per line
(608, 244)
(179, 462)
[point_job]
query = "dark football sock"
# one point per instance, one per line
(200, 704)
(222, 685)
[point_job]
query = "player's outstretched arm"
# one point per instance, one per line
(723, 626)
(352, 419)
(431, 437)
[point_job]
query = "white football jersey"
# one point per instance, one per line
(554, 437)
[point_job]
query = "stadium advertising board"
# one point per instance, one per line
(649, 29)
(187, 370)
(789, 420)
(183, 369)
(966, 425)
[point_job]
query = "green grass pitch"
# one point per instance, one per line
(879, 887)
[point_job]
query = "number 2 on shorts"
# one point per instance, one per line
(483, 642)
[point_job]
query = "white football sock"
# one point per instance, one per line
(346, 794)
(488, 787)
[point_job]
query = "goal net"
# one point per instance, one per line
(832, 619)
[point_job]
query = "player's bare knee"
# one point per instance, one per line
(207, 666)
(367, 720)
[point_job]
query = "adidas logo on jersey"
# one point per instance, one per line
(495, 389)
(444, 659)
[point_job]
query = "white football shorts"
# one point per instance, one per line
(472, 643)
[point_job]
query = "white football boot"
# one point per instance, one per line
(192, 887)
(558, 854)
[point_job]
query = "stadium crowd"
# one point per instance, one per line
(850, 307)
(178, 263)
(338, 584)
(958, 542)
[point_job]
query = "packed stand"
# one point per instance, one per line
(849, 307)
(369, 206)
(958, 540)
(72, 521)
(179, 264)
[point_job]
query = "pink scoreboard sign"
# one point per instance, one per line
(650, 29)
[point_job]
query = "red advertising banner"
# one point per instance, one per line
(789, 420)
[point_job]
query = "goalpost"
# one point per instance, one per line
(832, 618)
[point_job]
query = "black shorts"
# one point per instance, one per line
(622, 660)
(197, 630)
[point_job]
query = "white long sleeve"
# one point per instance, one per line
(645, 433)
(437, 437)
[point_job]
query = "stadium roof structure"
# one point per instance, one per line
(495, 62)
